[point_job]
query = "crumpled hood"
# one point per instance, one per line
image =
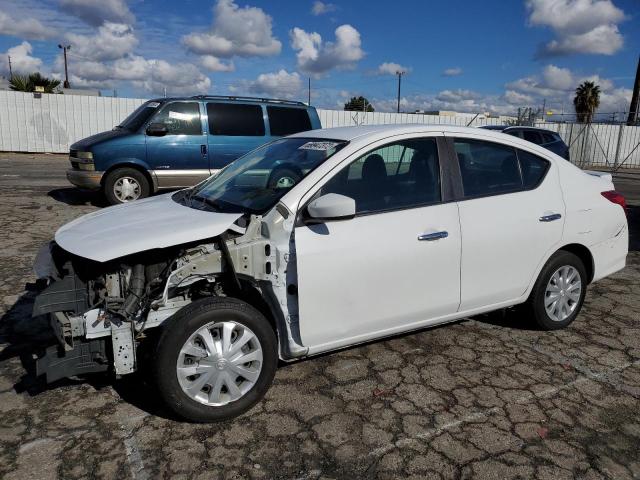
(156, 222)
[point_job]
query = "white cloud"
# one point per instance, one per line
(21, 60)
(581, 26)
(391, 68)
(29, 28)
(214, 64)
(236, 31)
(320, 8)
(558, 78)
(96, 12)
(317, 58)
(112, 41)
(516, 98)
(278, 84)
(452, 72)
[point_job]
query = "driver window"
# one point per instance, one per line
(402, 174)
(180, 118)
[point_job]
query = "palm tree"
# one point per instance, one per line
(28, 83)
(586, 101)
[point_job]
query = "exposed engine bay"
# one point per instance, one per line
(101, 312)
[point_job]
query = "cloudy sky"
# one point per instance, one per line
(490, 55)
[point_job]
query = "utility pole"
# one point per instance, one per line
(635, 99)
(399, 73)
(10, 70)
(309, 102)
(66, 70)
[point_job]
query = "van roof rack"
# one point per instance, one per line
(250, 99)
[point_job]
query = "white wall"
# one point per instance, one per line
(53, 122)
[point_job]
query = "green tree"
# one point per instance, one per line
(586, 101)
(359, 104)
(28, 83)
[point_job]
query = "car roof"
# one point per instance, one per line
(535, 129)
(375, 132)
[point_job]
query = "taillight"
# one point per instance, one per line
(615, 197)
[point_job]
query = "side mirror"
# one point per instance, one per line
(157, 130)
(332, 206)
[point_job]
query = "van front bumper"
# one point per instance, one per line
(89, 180)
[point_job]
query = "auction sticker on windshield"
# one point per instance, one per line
(321, 146)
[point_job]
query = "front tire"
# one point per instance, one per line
(126, 184)
(559, 291)
(215, 359)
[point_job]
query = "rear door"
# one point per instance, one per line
(511, 217)
(178, 158)
(234, 129)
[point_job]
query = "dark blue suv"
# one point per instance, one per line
(545, 138)
(177, 142)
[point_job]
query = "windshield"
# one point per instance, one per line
(140, 115)
(255, 182)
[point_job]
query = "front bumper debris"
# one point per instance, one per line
(86, 356)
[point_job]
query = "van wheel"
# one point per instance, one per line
(215, 359)
(125, 185)
(558, 294)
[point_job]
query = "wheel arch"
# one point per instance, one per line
(584, 254)
(153, 184)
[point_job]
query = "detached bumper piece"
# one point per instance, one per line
(87, 356)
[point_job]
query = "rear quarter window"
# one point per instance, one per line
(287, 121)
(533, 169)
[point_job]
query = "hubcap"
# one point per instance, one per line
(563, 293)
(219, 363)
(126, 189)
(285, 182)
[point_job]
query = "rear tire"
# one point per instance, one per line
(206, 374)
(126, 184)
(559, 291)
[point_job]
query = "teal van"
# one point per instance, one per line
(171, 143)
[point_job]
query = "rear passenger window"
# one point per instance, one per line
(531, 136)
(235, 120)
(487, 168)
(547, 138)
(286, 121)
(533, 168)
(514, 133)
(400, 175)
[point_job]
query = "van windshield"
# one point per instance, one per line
(255, 182)
(139, 116)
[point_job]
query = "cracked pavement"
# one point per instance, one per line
(488, 397)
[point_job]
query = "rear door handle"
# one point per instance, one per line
(550, 218)
(430, 237)
(203, 150)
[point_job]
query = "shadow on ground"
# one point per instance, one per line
(75, 196)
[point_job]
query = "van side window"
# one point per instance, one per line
(235, 120)
(286, 121)
(180, 118)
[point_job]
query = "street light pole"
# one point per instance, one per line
(10, 69)
(399, 73)
(66, 71)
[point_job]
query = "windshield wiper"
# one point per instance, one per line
(207, 201)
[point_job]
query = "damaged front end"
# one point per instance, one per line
(100, 311)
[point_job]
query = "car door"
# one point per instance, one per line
(234, 129)
(511, 217)
(179, 157)
(394, 266)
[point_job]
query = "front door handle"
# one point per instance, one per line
(430, 237)
(203, 150)
(550, 218)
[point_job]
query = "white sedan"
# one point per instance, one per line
(319, 241)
